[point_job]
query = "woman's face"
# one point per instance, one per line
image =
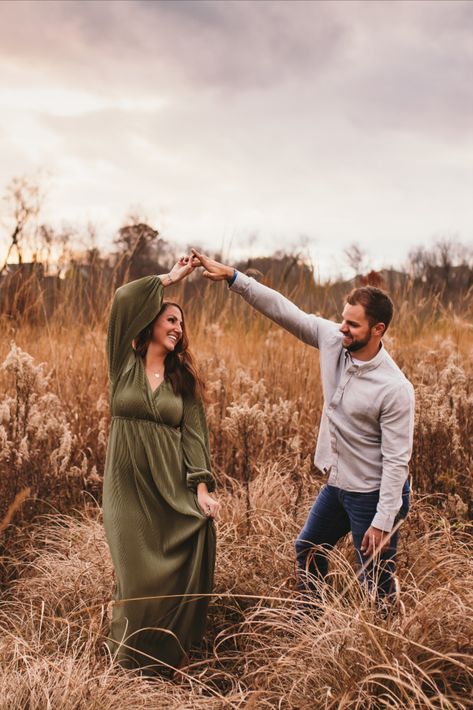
(168, 328)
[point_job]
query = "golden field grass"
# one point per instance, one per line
(263, 648)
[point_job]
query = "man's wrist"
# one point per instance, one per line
(232, 274)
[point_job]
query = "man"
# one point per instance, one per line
(366, 429)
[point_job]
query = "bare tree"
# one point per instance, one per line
(446, 266)
(46, 237)
(25, 198)
(141, 250)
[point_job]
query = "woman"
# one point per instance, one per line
(157, 508)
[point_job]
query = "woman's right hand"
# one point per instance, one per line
(208, 505)
(182, 268)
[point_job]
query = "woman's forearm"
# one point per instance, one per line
(166, 279)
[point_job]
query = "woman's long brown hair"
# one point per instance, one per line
(179, 365)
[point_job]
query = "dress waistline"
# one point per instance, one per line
(145, 419)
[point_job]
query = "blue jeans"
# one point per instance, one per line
(334, 513)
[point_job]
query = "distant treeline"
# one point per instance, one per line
(59, 280)
(441, 276)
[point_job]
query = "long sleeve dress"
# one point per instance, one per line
(162, 545)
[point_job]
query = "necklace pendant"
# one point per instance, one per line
(156, 374)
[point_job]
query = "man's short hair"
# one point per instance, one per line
(378, 306)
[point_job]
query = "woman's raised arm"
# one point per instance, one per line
(134, 306)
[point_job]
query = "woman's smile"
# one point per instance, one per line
(173, 337)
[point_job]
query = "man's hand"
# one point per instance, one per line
(374, 540)
(213, 270)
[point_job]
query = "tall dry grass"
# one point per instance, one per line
(264, 648)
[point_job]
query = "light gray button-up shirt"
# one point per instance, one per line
(366, 430)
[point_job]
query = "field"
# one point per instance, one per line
(263, 649)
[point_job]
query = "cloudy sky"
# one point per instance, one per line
(246, 126)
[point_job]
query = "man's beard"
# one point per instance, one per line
(357, 344)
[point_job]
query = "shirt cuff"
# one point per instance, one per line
(383, 521)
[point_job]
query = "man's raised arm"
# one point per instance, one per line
(267, 301)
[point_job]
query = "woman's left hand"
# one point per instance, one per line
(207, 504)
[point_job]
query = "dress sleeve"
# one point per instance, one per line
(134, 305)
(195, 444)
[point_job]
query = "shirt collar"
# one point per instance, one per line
(369, 364)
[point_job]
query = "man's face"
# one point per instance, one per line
(355, 328)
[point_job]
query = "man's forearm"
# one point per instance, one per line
(397, 432)
(278, 308)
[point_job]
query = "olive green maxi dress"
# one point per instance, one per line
(162, 545)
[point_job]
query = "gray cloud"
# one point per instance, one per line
(231, 44)
(392, 64)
